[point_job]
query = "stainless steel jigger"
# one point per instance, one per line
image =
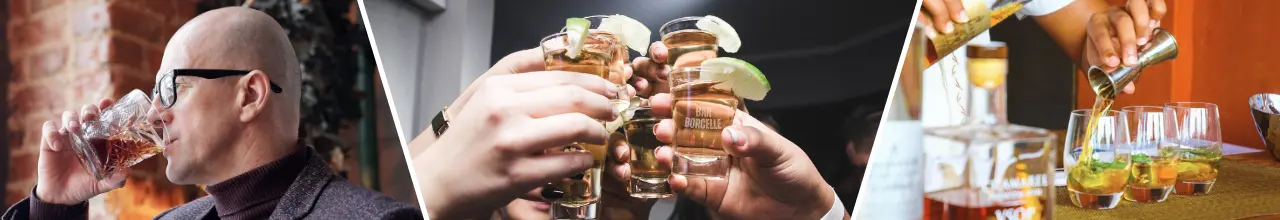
(1162, 47)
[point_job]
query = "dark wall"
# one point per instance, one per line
(1041, 89)
(813, 52)
(5, 69)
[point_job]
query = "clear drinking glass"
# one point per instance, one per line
(581, 192)
(648, 177)
(120, 137)
(1154, 155)
(1097, 179)
(1199, 140)
(682, 37)
(701, 110)
(621, 55)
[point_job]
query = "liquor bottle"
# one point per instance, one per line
(986, 167)
(981, 18)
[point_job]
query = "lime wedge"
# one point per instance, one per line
(726, 36)
(629, 31)
(575, 30)
(745, 80)
(625, 112)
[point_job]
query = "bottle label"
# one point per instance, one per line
(895, 166)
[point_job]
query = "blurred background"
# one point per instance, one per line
(830, 62)
(66, 53)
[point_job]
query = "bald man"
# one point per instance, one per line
(228, 89)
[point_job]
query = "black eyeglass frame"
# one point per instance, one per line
(170, 82)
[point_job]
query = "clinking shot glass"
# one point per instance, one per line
(648, 177)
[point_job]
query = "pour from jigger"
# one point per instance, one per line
(1162, 47)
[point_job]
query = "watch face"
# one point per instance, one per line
(439, 123)
(443, 127)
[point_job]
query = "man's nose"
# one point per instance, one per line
(158, 113)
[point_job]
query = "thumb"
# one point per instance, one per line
(765, 149)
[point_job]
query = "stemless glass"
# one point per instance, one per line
(683, 37)
(701, 110)
(1154, 155)
(621, 55)
(120, 137)
(1097, 181)
(648, 177)
(1199, 140)
(581, 192)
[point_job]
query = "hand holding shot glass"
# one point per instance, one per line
(596, 52)
(707, 95)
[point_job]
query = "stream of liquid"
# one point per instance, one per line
(1101, 106)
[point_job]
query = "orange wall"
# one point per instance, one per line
(1224, 51)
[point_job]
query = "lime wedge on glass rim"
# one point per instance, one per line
(726, 36)
(575, 30)
(629, 31)
(745, 80)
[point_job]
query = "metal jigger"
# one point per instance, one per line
(1266, 117)
(1162, 47)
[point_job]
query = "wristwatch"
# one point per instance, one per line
(441, 122)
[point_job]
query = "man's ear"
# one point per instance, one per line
(253, 92)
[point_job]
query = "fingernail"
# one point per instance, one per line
(610, 89)
(1142, 41)
(951, 26)
(1154, 23)
(552, 193)
(736, 137)
(961, 17)
(1112, 60)
(1132, 60)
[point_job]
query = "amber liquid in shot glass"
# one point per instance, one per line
(701, 111)
(581, 192)
(648, 177)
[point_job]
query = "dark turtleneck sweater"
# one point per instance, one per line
(254, 194)
(251, 195)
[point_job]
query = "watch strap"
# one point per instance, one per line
(441, 122)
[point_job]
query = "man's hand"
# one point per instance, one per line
(60, 177)
(771, 178)
(1114, 35)
(493, 153)
(941, 16)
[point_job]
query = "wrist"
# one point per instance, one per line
(45, 195)
(435, 203)
(823, 205)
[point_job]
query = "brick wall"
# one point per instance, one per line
(67, 53)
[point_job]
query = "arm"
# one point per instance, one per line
(1067, 26)
(1094, 33)
(33, 208)
(527, 60)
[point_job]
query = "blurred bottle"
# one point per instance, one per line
(981, 18)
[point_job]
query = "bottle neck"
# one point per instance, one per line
(987, 105)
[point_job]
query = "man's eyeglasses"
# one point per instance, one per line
(166, 89)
